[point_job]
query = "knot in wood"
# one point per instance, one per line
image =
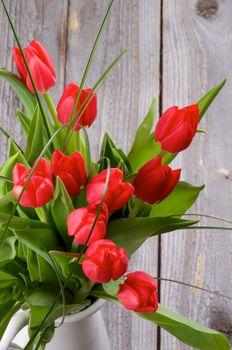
(207, 8)
(221, 321)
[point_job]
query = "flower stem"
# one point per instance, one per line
(51, 107)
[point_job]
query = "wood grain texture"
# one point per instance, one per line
(33, 20)
(197, 53)
(123, 101)
(68, 29)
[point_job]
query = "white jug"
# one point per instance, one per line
(82, 331)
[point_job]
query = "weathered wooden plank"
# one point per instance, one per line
(197, 54)
(123, 101)
(45, 21)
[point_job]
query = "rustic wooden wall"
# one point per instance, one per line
(177, 50)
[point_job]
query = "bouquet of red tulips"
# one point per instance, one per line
(69, 224)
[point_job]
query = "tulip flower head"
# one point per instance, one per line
(155, 181)
(139, 292)
(85, 115)
(118, 192)
(104, 261)
(71, 170)
(39, 190)
(40, 65)
(177, 127)
(80, 222)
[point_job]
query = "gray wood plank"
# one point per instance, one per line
(123, 102)
(197, 54)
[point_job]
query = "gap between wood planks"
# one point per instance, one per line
(159, 262)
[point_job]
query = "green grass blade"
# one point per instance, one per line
(88, 65)
(27, 66)
(88, 98)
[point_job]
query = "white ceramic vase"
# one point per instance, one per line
(82, 331)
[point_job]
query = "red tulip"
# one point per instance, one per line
(104, 261)
(139, 292)
(80, 222)
(71, 170)
(177, 127)
(40, 64)
(155, 181)
(84, 117)
(118, 192)
(39, 190)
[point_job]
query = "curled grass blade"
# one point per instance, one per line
(10, 137)
(38, 330)
(193, 286)
(90, 59)
(27, 181)
(27, 66)
(89, 97)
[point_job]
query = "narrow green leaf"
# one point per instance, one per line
(188, 331)
(21, 223)
(35, 137)
(25, 96)
(208, 98)
(32, 265)
(8, 249)
(41, 300)
(178, 202)
(132, 233)
(39, 240)
(61, 207)
(143, 132)
(24, 120)
(116, 155)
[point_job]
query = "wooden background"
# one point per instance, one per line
(178, 49)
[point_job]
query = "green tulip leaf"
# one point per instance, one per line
(40, 240)
(25, 121)
(178, 202)
(187, 331)
(35, 138)
(40, 302)
(8, 248)
(25, 96)
(22, 223)
(7, 171)
(208, 98)
(142, 139)
(61, 207)
(32, 264)
(132, 233)
(116, 156)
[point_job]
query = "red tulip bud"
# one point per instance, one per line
(85, 115)
(139, 292)
(177, 127)
(39, 190)
(104, 261)
(71, 170)
(118, 192)
(155, 181)
(40, 64)
(80, 222)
